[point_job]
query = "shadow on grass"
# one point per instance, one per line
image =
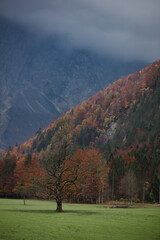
(79, 212)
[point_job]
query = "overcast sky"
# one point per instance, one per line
(128, 29)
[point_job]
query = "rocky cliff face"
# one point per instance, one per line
(41, 78)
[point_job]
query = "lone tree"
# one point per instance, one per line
(60, 172)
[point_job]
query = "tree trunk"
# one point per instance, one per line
(59, 205)
(102, 199)
(99, 196)
(143, 192)
(159, 193)
(131, 185)
(24, 200)
(131, 201)
(112, 190)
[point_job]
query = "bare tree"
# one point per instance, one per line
(59, 172)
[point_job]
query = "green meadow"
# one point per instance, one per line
(37, 220)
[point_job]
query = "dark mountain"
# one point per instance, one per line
(42, 77)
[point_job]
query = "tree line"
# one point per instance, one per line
(81, 175)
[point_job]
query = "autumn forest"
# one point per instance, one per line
(106, 148)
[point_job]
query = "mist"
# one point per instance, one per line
(122, 29)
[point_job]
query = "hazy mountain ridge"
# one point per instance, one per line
(41, 79)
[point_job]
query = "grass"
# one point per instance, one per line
(38, 221)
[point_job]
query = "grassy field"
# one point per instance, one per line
(38, 221)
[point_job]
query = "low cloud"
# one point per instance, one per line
(121, 28)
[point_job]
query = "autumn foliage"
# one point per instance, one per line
(113, 136)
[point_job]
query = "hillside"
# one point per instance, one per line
(124, 114)
(42, 77)
(113, 144)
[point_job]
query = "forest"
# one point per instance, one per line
(106, 148)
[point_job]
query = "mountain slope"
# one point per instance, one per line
(125, 114)
(41, 78)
